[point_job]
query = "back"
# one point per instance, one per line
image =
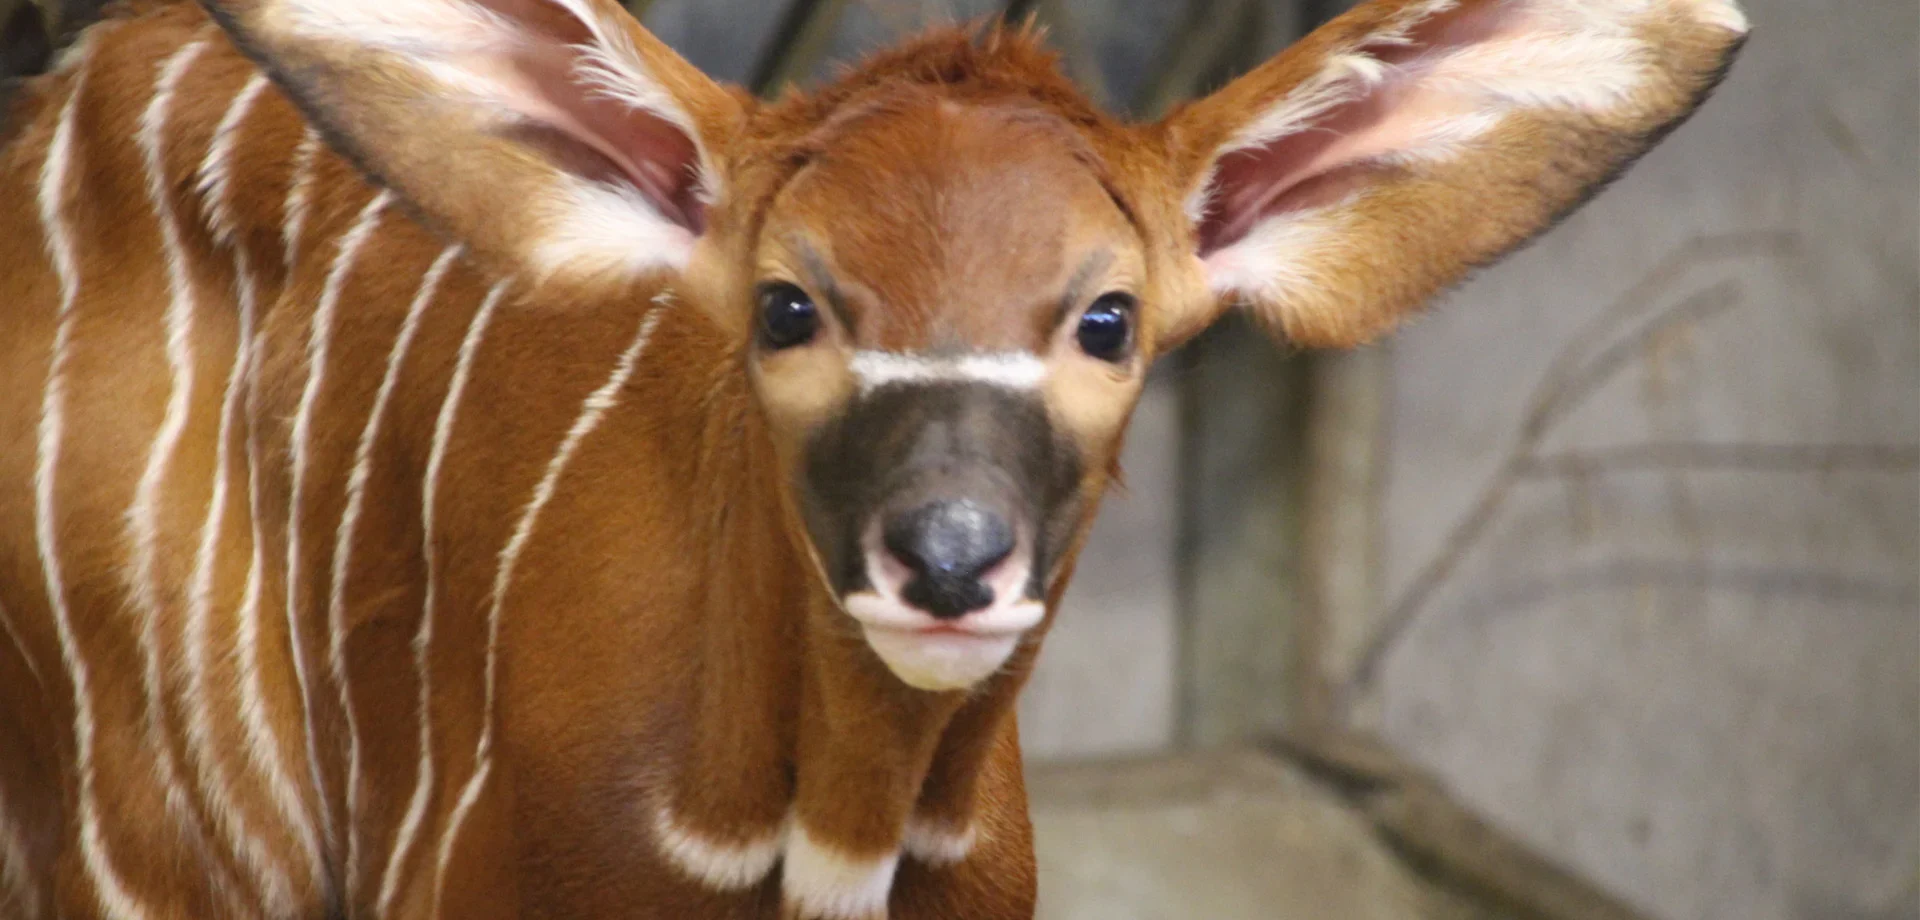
(234, 377)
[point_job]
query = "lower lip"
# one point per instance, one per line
(873, 612)
(941, 658)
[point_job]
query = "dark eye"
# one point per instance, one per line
(787, 316)
(1106, 329)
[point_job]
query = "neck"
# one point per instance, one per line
(799, 745)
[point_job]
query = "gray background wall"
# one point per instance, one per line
(1693, 673)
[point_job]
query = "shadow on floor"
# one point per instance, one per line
(1331, 830)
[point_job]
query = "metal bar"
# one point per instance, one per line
(1018, 10)
(1209, 35)
(1341, 543)
(1243, 420)
(1315, 13)
(25, 46)
(1742, 457)
(1064, 32)
(798, 45)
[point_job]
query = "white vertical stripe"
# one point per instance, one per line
(114, 900)
(299, 193)
(423, 638)
(214, 170)
(592, 411)
(143, 516)
(275, 887)
(20, 643)
(343, 546)
(264, 752)
(319, 344)
(264, 749)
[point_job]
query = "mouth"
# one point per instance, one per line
(931, 654)
(941, 651)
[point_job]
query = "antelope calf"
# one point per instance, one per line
(460, 461)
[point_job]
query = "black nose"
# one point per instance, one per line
(948, 545)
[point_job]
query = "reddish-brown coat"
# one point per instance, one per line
(664, 639)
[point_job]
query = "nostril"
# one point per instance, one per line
(957, 539)
(947, 597)
(948, 545)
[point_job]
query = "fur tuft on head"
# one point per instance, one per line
(983, 62)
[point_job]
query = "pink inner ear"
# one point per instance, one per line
(1339, 150)
(539, 78)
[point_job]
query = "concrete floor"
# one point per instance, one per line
(1232, 836)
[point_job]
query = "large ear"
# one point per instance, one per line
(1339, 186)
(556, 134)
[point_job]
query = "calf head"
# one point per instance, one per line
(947, 274)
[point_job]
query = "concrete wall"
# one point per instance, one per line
(1108, 679)
(1694, 676)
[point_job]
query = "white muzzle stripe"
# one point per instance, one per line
(1017, 370)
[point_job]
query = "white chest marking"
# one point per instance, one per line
(821, 882)
(938, 846)
(717, 865)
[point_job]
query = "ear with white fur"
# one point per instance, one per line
(1339, 186)
(557, 135)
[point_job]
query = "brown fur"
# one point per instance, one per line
(665, 639)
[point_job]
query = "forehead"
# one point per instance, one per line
(943, 224)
